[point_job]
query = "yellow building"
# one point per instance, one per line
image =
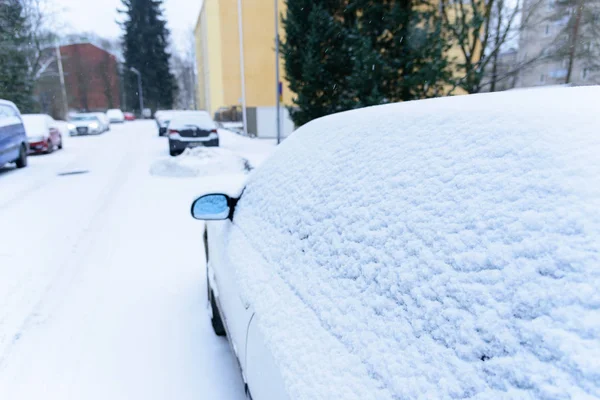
(218, 61)
(219, 66)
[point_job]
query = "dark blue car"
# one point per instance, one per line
(13, 140)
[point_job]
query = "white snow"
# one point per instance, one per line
(36, 125)
(102, 276)
(182, 121)
(201, 161)
(448, 248)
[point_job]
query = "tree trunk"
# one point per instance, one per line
(573, 44)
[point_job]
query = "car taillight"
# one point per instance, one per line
(213, 131)
(173, 131)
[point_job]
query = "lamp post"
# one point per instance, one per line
(242, 66)
(277, 85)
(139, 78)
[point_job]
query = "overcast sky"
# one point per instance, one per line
(99, 16)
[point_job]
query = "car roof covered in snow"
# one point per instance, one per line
(180, 121)
(170, 114)
(36, 124)
(446, 248)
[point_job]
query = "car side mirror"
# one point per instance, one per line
(212, 207)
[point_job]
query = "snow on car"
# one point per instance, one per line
(115, 115)
(447, 248)
(43, 134)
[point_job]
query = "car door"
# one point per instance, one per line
(14, 133)
(5, 138)
(235, 309)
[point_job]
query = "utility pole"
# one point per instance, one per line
(139, 78)
(277, 86)
(242, 68)
(61, 75)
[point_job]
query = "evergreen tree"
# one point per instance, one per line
(145, 42)
(401, 51)
(14, 83)
(341, 55)
(316, 58)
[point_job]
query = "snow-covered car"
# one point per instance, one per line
(115, 116)
(104, 121)
(438, 249)
(85, 124)
(13, 138)
(129, 116)
(163, 117)
(43, 134)
(193, 130)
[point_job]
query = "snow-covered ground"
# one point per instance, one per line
(102, 280)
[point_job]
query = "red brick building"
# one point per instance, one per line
(91, 77)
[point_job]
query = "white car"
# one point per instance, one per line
(115, 116)
(43, 134)
(85, 124)
(438, 249)
(104, 121)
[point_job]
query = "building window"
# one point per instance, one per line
(547, 30)
(584, 74)
(542, 78)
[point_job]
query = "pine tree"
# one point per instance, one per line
(145, 42)
(341, 55)
(14, 83)
(316, 58)
(403, 43)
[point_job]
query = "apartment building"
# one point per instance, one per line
(218, 59)
(545, 40)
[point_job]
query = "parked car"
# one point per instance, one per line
(13, 139)
(187, 131)
(115, 116)
(104, 121)
(85, 124)
(163, 117)
(445, 248)
(42, 133)
(129, 116)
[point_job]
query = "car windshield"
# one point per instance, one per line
(408, 199)
(84, 118)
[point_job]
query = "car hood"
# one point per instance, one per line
(36, 138)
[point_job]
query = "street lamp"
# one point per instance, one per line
(278, 87)
(139, 76)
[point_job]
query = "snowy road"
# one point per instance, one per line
(102, 283)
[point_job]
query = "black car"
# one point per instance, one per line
(186, 131)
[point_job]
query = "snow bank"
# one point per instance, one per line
(447, 248)
(200, 161)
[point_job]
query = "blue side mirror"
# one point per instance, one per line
(211, 207)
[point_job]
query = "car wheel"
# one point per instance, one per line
(215, 317)
(174, 153)
(22, 160)
(60, 144)
(50, 147)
